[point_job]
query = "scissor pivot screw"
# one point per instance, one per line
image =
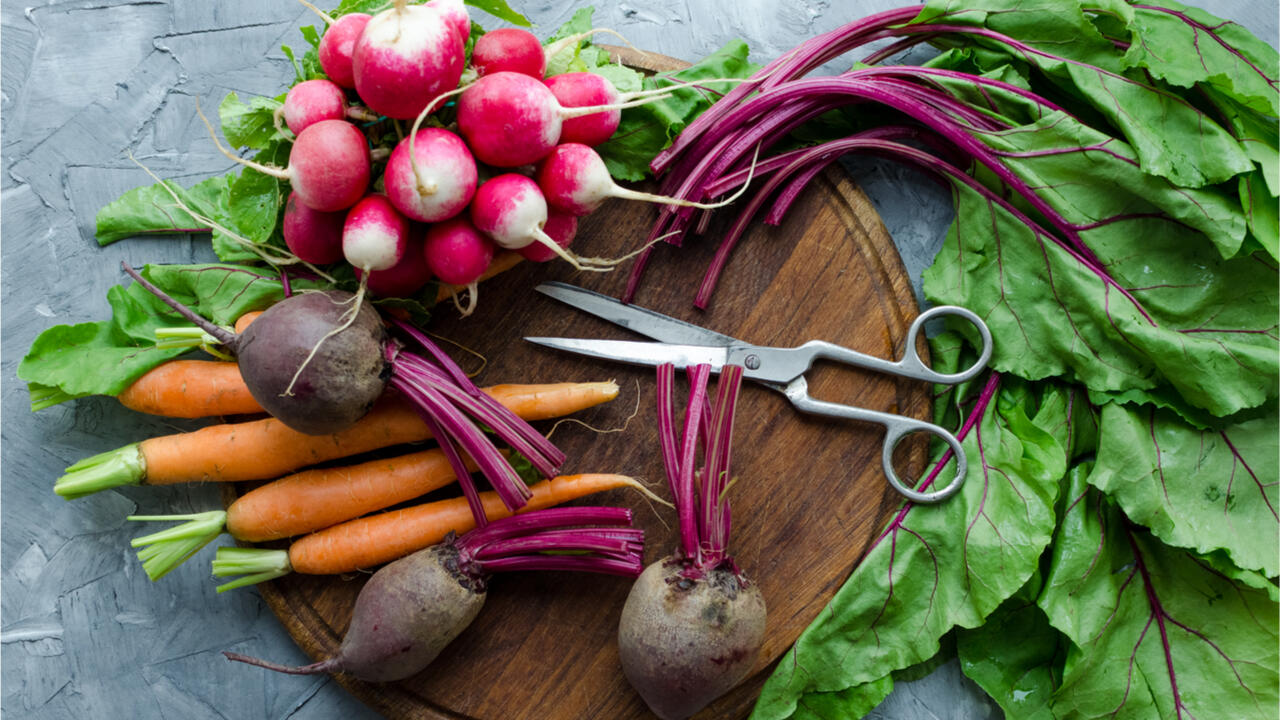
(752, 362)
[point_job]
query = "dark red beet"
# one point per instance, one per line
(337, 385)
(683, 642)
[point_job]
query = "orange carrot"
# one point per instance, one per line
(317, 499)
(266, 448)
(243, 321)
(191, 389)
(370, 541)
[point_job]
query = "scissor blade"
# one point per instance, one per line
(636, 319)
(650, 354)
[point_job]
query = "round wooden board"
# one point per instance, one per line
(809, 493)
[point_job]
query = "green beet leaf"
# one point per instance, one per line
(1203, 490)
(1157, 632)
(1185, 45)
(1167, 311)
(103, 358)
(159, 209)
(936, 567)
(1016, 657)
(1062, 42)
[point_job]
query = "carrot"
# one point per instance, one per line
(377, 539)
(191, 389)
(316, 499)
(243, 321)
(266, 448)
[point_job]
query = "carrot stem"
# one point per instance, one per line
(161, 552)
(114, 468)
(255, 564)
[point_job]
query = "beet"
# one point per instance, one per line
(338, 384)
(693, 624)
(685, 642)
(412, 608)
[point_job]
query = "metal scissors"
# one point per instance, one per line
(781, 369)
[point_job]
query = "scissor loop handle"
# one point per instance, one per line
(896, 428)
(899, 428)
(913, 366)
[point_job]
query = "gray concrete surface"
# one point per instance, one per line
(86, 82)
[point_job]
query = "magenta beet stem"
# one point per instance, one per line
(555, 539)
(527, 523)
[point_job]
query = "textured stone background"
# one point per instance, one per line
(87, 82)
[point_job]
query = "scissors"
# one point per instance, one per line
(781, 369)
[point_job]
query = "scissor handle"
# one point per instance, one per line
(911, 362)
(910, 366)
(899, 427)
(896, 428)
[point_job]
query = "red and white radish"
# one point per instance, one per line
(312, 236)
(693, 624)
(405, 278)
(561, 227)
(509, 119)
(311, 101)
(337, 45)
(455, 12)
(509, 50)
(431, 175)
(412, 608)
(375, 234)
(329, 165)
(574, 180)
(585, 89)
(456, 252)
(405, 57)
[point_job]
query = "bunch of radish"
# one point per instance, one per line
(507, 164)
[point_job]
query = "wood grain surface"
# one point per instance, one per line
(809, 493)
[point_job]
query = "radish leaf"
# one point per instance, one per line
(155, 209)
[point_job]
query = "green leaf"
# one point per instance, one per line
(1015, 656)
(1203, 490)
(1157, 632)
(1167, 311)
(157, 209)
(935, 567)
(252, 124)
(647, 129)
(1185, 45)
(103, 358)
(501, 10)
(1172, 137)
(255, 206)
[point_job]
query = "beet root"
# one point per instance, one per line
(337, 384)
(407, 613)
(685, 642)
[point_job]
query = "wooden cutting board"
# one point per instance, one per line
(809, 493)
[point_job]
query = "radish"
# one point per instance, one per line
(405, 278)
(511, 211)
(412, 608)
(455, 12)
(374, 234)
(509, 50)
(311, 101)
(431, 175)
(317, 361)
(338, 44)
(329, 164)
(456, 252)
(561, 227)
(584, 89)
(405, 57)
(313, 236)
(693, 624)
(574, 180)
